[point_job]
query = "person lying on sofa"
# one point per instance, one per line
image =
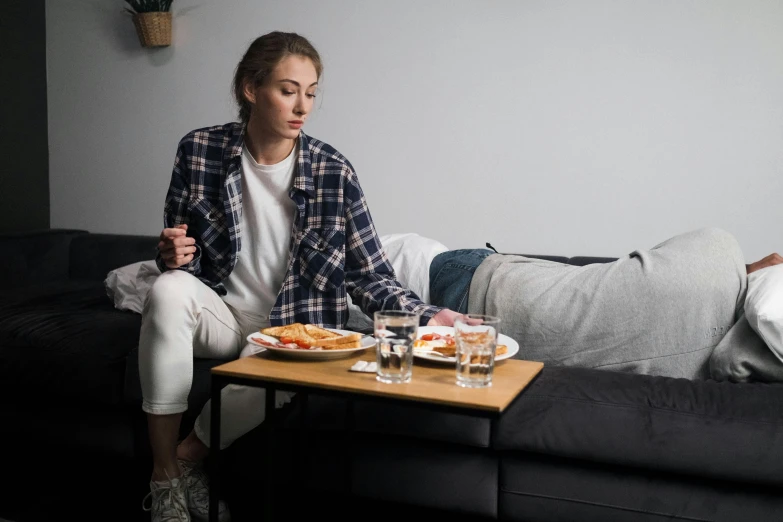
(674, 310)
(264, 226)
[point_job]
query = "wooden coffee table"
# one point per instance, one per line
(432, 386)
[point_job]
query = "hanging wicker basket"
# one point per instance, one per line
(154, 29)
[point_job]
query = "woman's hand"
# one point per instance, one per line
(176, 248)
(770, 260)
(444, 318)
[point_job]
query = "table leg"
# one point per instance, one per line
(271, 416)
(302, 453)
(350, 425)
(214, 446)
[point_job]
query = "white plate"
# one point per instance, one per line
(366, 342)
(513, 346)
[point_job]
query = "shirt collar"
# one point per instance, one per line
(236, 140)
(304, 175)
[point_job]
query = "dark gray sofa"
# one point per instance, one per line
(579, 444)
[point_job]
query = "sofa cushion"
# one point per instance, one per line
(535, 487)
(421, 422)
(413, 421)
(459, 479)
(107, 430)
(64, 341)
(701, 428)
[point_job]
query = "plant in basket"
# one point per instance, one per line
(152, 19)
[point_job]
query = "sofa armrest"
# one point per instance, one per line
(35, 257)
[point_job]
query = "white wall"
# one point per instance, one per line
(574, 128)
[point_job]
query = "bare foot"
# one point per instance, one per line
(770, 260)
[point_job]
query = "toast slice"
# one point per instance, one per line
(340, 342)
(295, 332)
(451, 351)
(289, 330)
(343, 346)
(299, 329)
(316, 332)
(314, 336)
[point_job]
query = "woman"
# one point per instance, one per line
(264, 225)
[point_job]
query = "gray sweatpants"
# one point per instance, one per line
(660, 311)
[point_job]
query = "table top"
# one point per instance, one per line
(431, 382)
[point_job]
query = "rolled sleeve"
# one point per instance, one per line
(175, 209)
(369, 276)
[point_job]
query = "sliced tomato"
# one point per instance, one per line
(430, 337)
(286, 340)
(302, 344)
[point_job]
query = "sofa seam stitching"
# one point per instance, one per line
(655, 357)
(600, 504)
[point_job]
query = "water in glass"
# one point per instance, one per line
(394, 336)
(476, 338)
(475, 364)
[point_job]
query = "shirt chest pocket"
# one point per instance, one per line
(206, 215)
(322, 258)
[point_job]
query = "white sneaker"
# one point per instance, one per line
(197, 485)
(169, 501)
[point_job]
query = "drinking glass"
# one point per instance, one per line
(476, 338)
(395, 332)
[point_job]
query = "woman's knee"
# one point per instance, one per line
(172, 288)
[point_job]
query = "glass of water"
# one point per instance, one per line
(395, 332)
(476, 338)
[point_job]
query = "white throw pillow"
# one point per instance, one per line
(410, 255)
(128, 286)
(764, 306)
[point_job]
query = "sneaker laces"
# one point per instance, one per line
(197, 482)
(164, 500)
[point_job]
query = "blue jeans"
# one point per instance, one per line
(450, 276)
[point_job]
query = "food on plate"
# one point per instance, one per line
(445, 344)
(308, 337)
(451, 351)
(433, 341)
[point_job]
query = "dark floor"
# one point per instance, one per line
(42, 487)
(38, 497)
(345, 511)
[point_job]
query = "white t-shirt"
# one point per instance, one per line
(267, 219)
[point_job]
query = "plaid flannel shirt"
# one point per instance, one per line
(334, 248)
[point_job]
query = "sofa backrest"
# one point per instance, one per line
(556, 259)
(93, 256)
(56, 254)
(35, 257)
(588, 260)
(576, 260)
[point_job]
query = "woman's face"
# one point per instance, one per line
(281, 105)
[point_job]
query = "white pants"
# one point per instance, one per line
(183, 318)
